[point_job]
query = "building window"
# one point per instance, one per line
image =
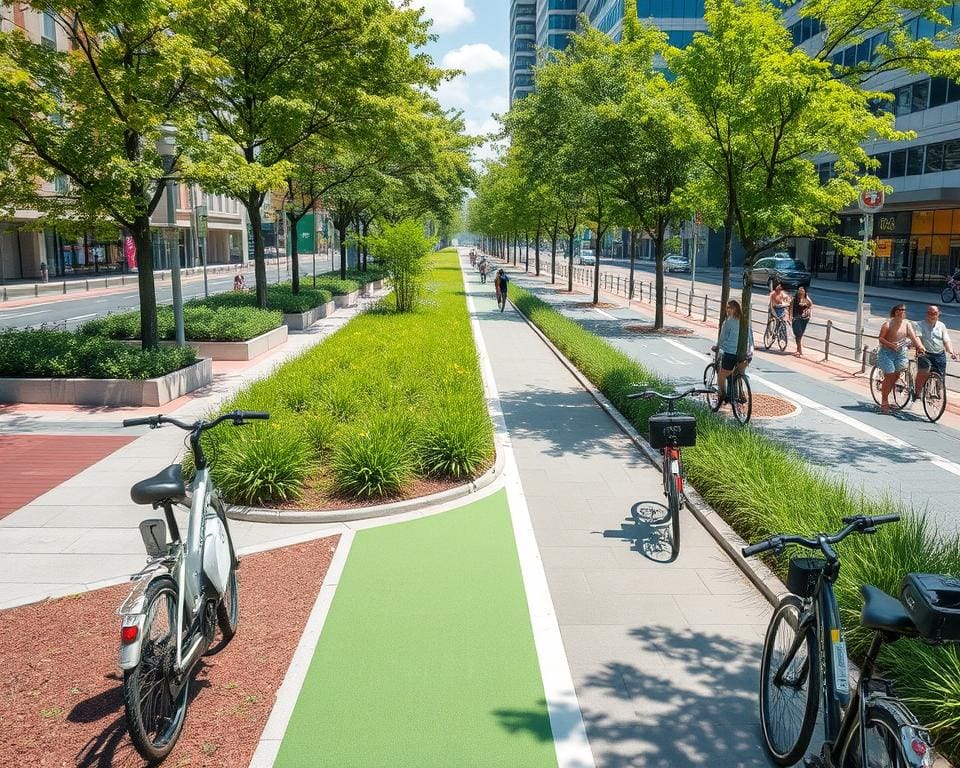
(562, 22)
(883, 170)
(951, 155)
(921, 91)
(898, 163)
(934, 158)
(524, 46)
(938, 91)
(559, 42)
(61, 185)
(903, 100)
(562, 5)
(914, 161)
(525, 28)
(49, 30)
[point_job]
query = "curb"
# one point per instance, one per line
(729, 540)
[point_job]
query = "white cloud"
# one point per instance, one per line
(481, 127)
(447, 15)
(478, 57)
(453, 93)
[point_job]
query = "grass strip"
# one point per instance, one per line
(387, 400)
(427, 656)
(761, 488)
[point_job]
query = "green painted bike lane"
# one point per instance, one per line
(427, 655)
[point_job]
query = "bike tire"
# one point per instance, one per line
(884, 747)
(154, 719)
(934, 397)
(787, 746)
(948, 295)
(876, 384)
(769, 335)
(902, 392)
(675, 502)
(742, 400)
(710, 382)
(782, 336)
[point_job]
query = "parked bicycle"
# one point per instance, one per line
(739, 393)
(952, 291)
(933, 396)
(670, 431)
(775, 333)
(804, 660)
(185, 594)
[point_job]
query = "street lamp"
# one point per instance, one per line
(167, 149)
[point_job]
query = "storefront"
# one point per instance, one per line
(917, 249)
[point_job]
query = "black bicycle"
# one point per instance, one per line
(775, 333)
(739, 393)
(671, 430)
(805, 661)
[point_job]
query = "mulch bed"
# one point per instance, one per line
(769, 407)
(665, 331)
(598, 305)
(60, 696)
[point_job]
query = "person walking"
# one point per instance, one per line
(800, 311)
(500, 285)
(895, 335)
(238, 282)
(937, 345)
(482, 266)
(728, 342)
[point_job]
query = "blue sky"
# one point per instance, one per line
(473, 35)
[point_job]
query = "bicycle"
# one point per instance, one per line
(776, 332)
(804, 641)
(739, 393)
(933, 396)
(671, 430)
(185, 594)
(952, 291)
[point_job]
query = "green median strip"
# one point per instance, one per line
(427, 655)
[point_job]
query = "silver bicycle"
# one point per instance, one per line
(185, 594)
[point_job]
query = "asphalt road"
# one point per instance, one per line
(73, 310)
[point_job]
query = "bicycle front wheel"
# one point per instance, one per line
(948, 295)
(876, 384)
(789, 684)
(710, 382)
(902, 390)
(742, 399)
(154, 716)
(769, 335)
(782, 336)
(934, 397)
(673, 482)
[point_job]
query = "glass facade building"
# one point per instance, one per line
(523, 48)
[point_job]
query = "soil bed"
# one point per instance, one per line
(61, 702)
(665, 331)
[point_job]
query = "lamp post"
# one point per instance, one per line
(167, 149)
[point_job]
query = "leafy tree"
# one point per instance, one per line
(403, 249)
(93, 113)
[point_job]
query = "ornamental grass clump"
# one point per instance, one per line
(455, 444)
(262, 463)
(742, 474)
(374, 460)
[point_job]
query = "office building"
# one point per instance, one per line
(523, 48)
(556, 21)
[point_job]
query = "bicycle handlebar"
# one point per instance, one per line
(823, 541)
(237, 417)
(669, 398)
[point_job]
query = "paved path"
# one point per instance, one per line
(665, 656)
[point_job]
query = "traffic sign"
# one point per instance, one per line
(698, 219)
(871, 200)
(202, 220)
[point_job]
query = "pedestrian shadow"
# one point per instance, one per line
(649, 531)
(691, 700)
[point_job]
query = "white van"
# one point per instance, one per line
(587, 257)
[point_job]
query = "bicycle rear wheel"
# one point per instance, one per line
(934, 397)
(742, 398)
(782, 336)
(789, 684)
(770, 334)
(710, 382)
(673, 482)
(882, 741)
(948, 295)
(876, 384)
(154, 717)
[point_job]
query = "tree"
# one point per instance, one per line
(764, 109)
(403, 249)
(93, 113)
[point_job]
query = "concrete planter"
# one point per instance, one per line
(232, 350)
(108, 392)
(303, 320)
(346, 299)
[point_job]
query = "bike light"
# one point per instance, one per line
(129, 634)
(919, 748)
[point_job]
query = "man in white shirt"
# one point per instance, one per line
(936, 342)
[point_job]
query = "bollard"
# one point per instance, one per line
(705, 310)
(676, 299)
(36, 289)
(690, 304)
(64, 286)
(863, 362)
(826, 341)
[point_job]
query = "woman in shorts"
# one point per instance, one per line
(895, 336)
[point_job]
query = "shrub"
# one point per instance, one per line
(44, 353)
(455, 444)
(200, 323)
(403, 249)
(375, 460)
(741, 473)
(279, 297)
(263, 463)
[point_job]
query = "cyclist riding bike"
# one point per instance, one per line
(779, 302)
(728, 342)
(936, 344)
(482, 266)
(500, 285)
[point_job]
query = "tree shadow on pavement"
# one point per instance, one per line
(649, 532)
(693, 702)
(834, 451)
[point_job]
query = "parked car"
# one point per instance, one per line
(779, 269)
(674, 262)
(586, 257)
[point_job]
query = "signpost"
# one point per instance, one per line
(697, 221)
(871, 202)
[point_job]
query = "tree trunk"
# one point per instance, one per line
(553, 251)
(526, 242)
(536, 250)
(727, 257)
(294, 251)
(570, 234)
(260, 266)
(596, 264)
(366, 251)
(516, 248)
(633, 260)
(745, 296)
(342, 231)
(658, 316)
(140, 231)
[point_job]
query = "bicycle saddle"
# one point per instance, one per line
(166, 485)
(884, 613)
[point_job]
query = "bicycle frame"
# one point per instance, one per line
(672, 468)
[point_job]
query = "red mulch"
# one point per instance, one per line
(598, 305)
(60, 696)
(770, 407)
(665, 331)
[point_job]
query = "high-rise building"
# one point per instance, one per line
(556, 21)
(523, 48)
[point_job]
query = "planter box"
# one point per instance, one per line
(108, 392)
(236, 351)
(346, 299)
(303, 320)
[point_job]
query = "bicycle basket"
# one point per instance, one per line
(672, 431)
(803, 574)
(872, 357)
(933, 602)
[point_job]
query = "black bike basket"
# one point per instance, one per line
(803, 574)
(933, 602)
(672, 431)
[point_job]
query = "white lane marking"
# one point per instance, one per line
(685, 348)
(80, 317)
(877, 434)
(289, 690)
(605, 314)
(566, 720)
(21, 314)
